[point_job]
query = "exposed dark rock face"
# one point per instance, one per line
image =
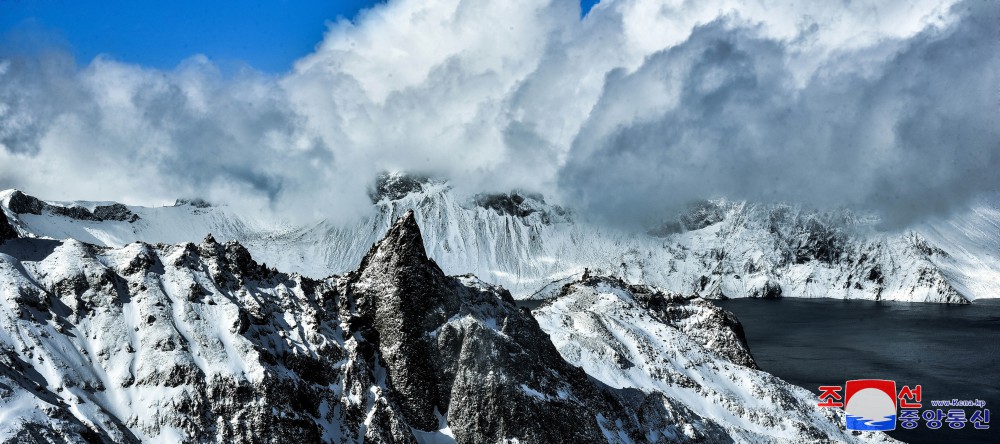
(506, 203)
(468, 351)
(702, 214)
(21, 203)
(73, 212)
(806, 237)
(520, 242)
(197, 312)
(659, 412)
(520, 204)
(7, 231)
(194, 202)
(395, 186)
(769, 290)
(401, 296)
(115, 211)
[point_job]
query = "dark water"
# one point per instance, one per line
(952, 351)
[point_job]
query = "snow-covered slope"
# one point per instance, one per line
(715, 249)
(684, 350)
(163, 343)
(112, 224)
(200, 343)
(966, 248)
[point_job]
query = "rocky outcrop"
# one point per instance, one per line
(710, 326)
(7, 231)
(401, 296)
(115, 211)
(20, 203)
(395, 186)
(521, 204)
(684, 364)
(768, 289)
(73, 212)
(194, 202)
(457, 347)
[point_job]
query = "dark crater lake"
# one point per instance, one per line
(952, 351)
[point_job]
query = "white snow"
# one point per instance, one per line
(594, 327)
(737, 256)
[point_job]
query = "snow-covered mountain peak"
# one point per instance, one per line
(15, 200)
(390, 186)
(716, 249)
(526, 206)
(402, 248)
(200, 342)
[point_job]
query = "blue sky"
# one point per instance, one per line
(267, 35)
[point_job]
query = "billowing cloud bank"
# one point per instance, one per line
(640, 106)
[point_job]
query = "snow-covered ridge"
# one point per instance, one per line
(717, 249)
(200, 343)
(683, 350)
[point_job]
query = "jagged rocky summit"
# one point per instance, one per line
(200, 343)
(715, 249)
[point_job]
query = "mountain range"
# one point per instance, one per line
(434, 319)
(201, 343)
(712, 248)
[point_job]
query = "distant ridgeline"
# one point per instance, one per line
(715, 249)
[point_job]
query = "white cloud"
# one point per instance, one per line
(909, 133)
(656, 101)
